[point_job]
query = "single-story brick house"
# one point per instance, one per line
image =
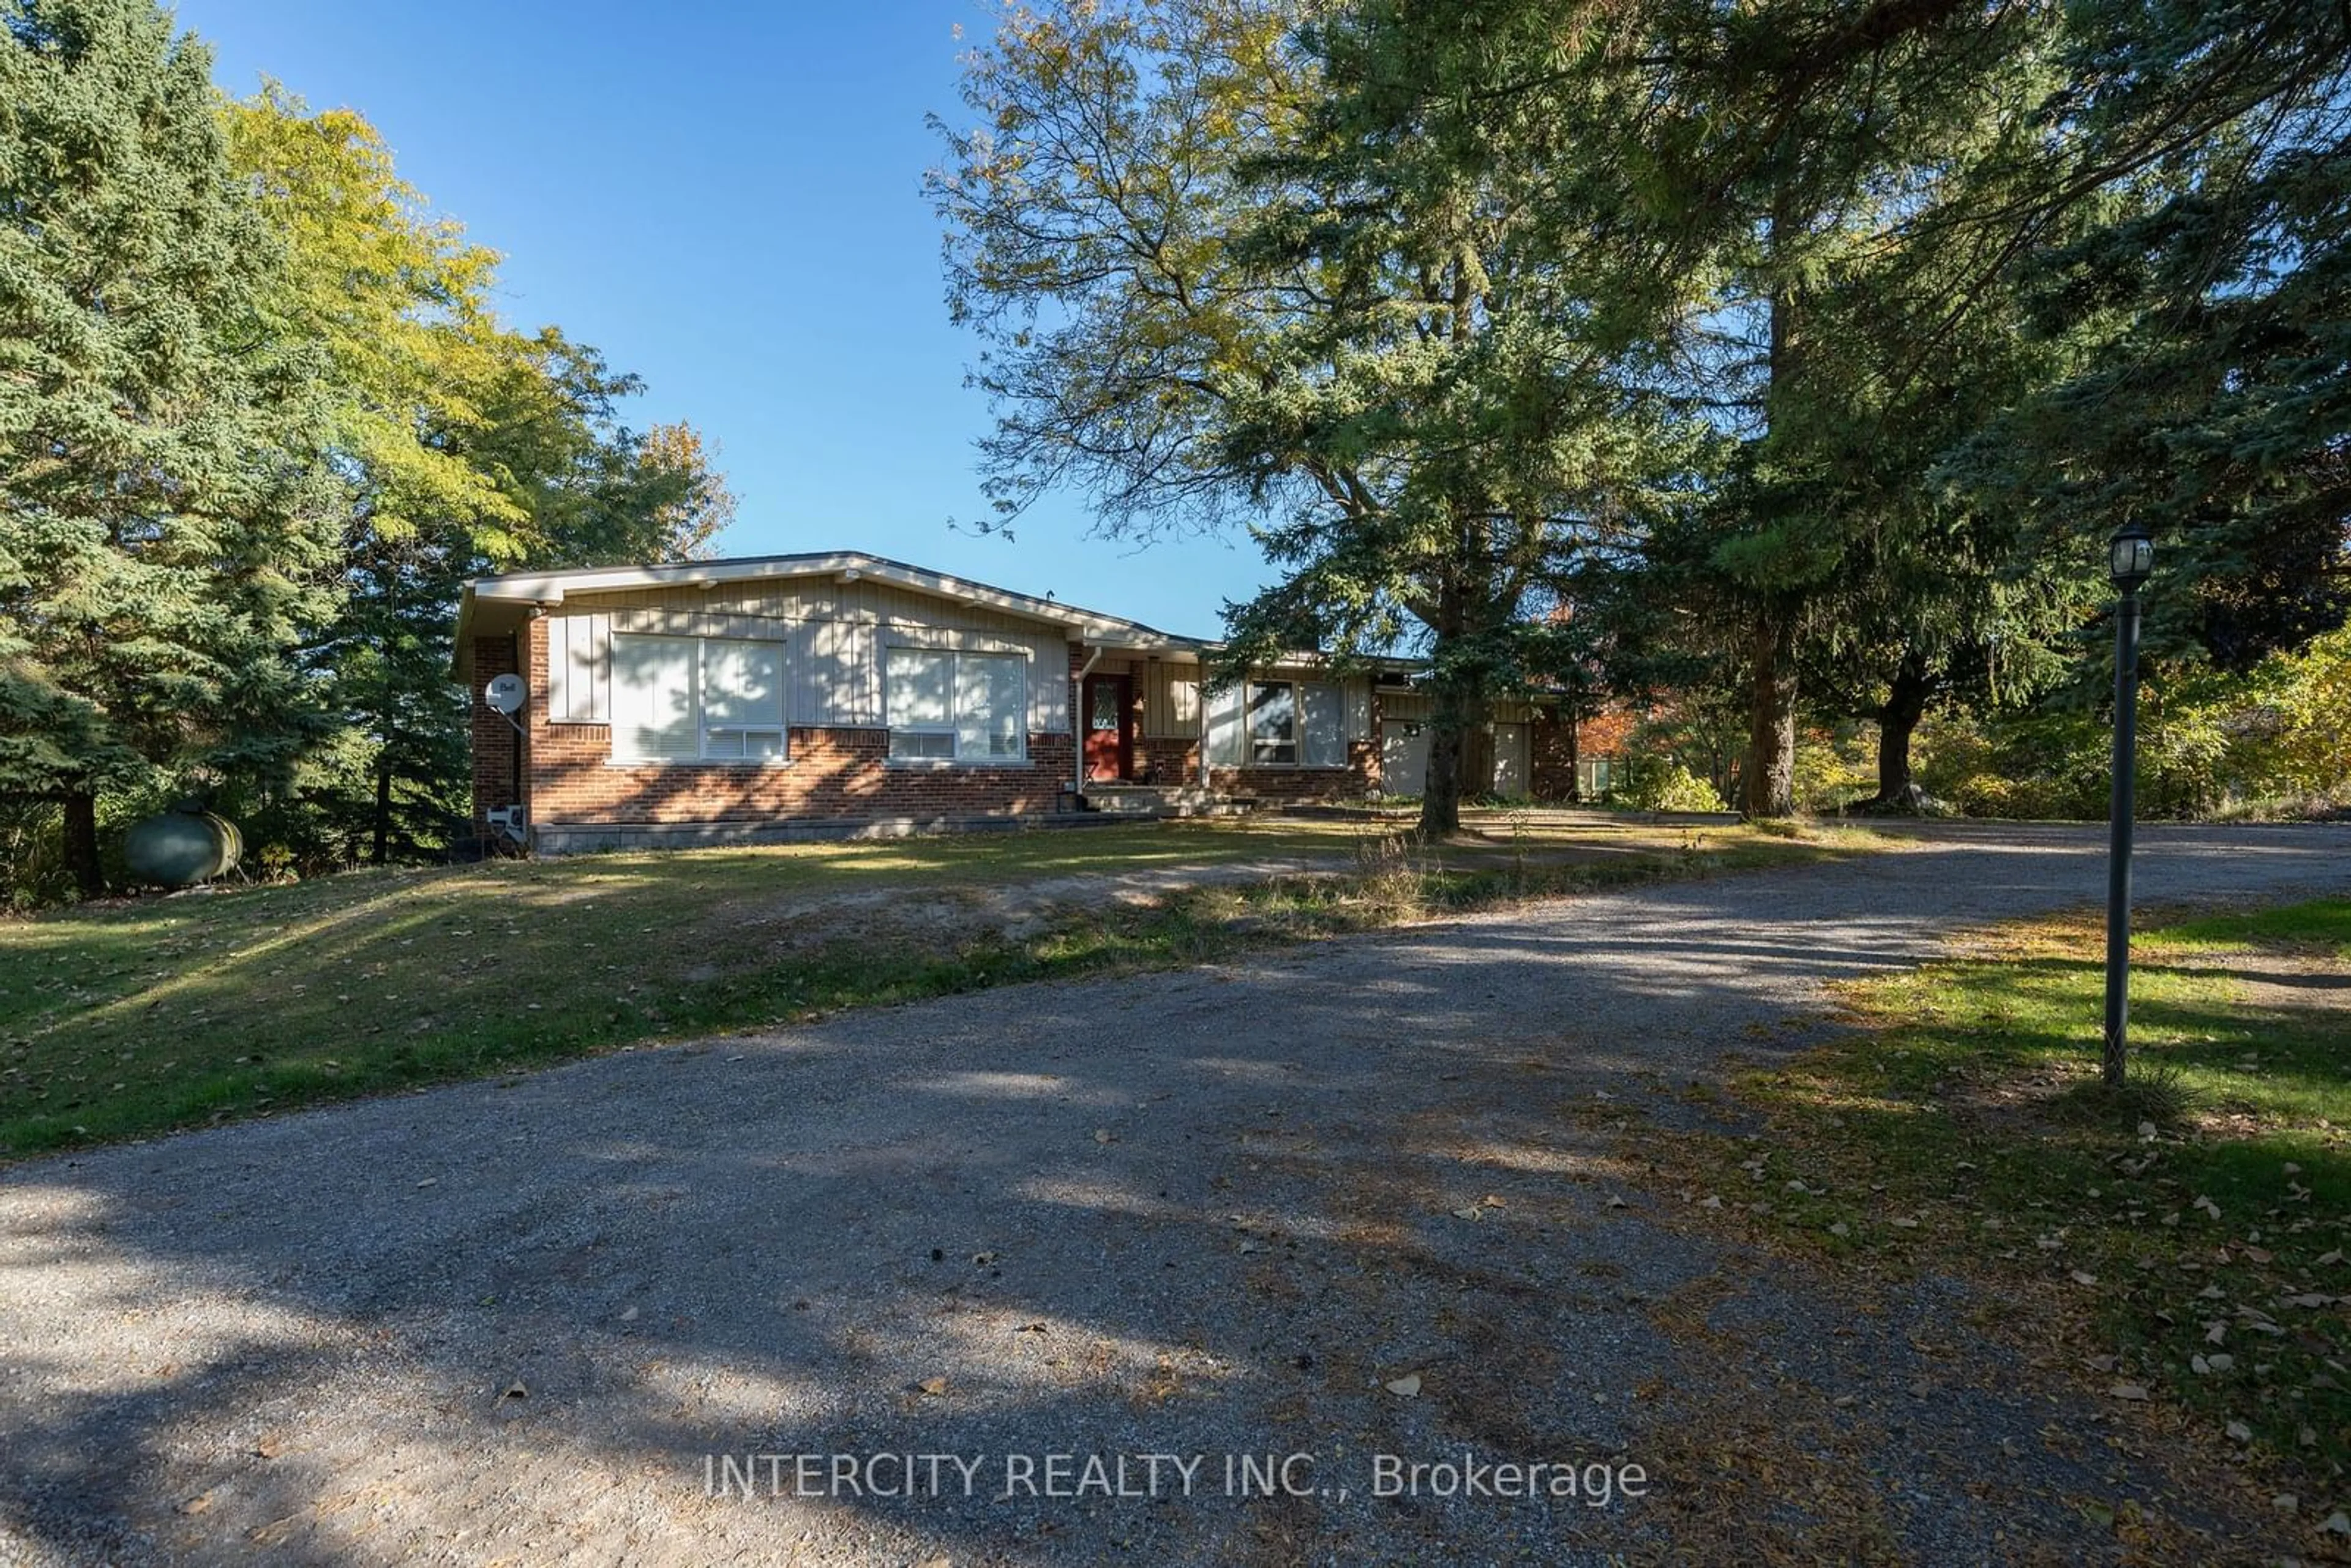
(811, 696)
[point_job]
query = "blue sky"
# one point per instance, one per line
(726, 200)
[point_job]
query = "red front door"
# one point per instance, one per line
(1110, 744)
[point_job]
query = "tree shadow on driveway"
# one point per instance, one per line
(1218, 1212)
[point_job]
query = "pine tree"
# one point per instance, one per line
(1217, 290)
(164, 542)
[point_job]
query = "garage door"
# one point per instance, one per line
(1513, 758)
(1403, 757)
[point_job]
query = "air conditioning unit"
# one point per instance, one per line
(508, 823)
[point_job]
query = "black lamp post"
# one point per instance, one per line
(2130, 558)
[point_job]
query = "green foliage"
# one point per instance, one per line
(2210, 290)
(470, 447)
(2295, 738)
(258, 422)
(1213, 287)
(1958, 289)
(2275, 741)
(1835, 767)
(1648, 783)
(168, 539)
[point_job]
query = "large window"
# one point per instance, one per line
(697, 699)
(1277, 724)
(952, 706)
(1273, 723)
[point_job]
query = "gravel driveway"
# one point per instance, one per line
(1211, 1213)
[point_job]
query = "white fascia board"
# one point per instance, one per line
(550, 589)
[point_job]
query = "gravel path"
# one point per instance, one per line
(1215, 1212)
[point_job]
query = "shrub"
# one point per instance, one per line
(1835, 766)
(1647, 784)
(2274, 742)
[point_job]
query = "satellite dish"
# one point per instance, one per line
(506, 693)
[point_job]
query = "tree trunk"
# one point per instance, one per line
(1574, 755)
(1769, 785)
(81, 844)
(1440, 796)
(1477, 757)
(1906, 705)
(1457, 725)
(1456, 704)
(381, 850)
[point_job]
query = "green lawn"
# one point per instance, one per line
(2196, 1227)
(130, 1018)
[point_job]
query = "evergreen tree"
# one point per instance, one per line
(1215, 291)
(165, 536)
(2212, 281)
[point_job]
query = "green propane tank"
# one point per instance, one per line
(178, 848)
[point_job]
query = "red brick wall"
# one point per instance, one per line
(1287, 783)
(831, 774)
(1167, 759)
(1355, 779)
(494, 738)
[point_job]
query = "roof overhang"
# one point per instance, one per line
(499, 606)
(494, 606)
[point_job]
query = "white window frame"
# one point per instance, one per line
(703, 728)
(1249, 739)
(1239, 695)
(952, 726)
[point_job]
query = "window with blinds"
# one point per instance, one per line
(948, 705)
(697, 699)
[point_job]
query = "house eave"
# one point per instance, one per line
(550, 590)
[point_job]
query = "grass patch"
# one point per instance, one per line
(137, 1017)
(2193, 1228)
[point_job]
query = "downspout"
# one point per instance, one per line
(522, 730)
(1077, 718)
(1207, 780)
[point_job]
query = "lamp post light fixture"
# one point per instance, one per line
(2130, 558)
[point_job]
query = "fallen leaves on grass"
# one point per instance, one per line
(1861, 1144)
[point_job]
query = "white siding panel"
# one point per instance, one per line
(1403, 704)
(825, 598)
(559, 669)
(835, 675)
(1049, 683)
(1404, 758)
(1171, 701)
(1513, 761)
(580, 669)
